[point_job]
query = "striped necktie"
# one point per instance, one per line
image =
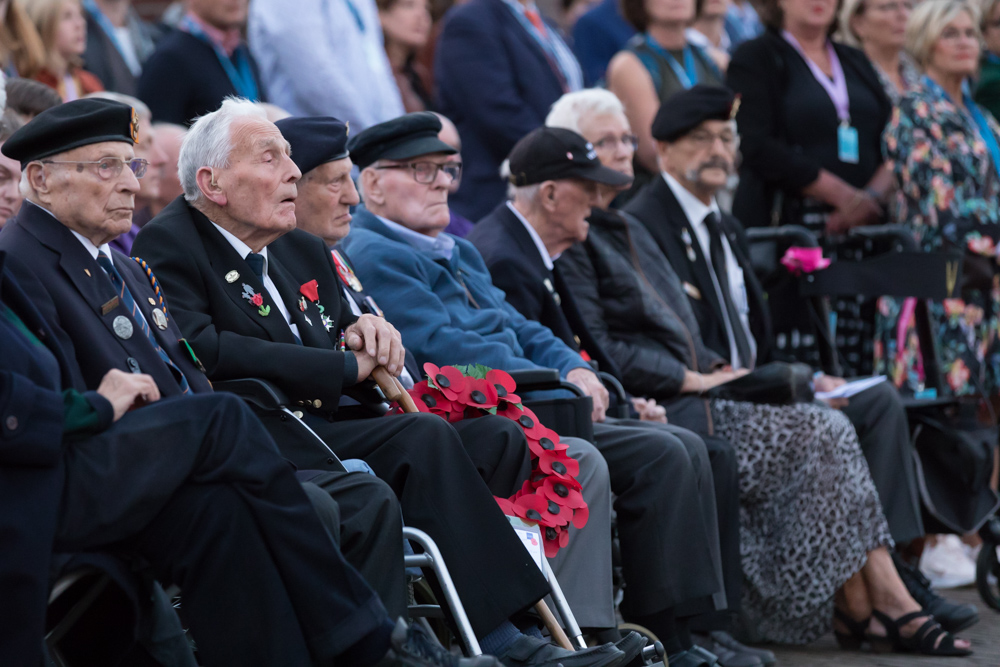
(129, 303)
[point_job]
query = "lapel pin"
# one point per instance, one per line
(109, 306)
(122, 327)
(232, 276)
(87, 271)
(159, 319)
(152, 301)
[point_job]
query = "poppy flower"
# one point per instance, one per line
(565, 492)
(509, 410)
(580, 517)
(545, 440)
(449, 380)
(532, 507)
(504, 384)
(530, 424)
(478, 394)
(257, 299)
(558, 464)
(310, 290)
(506, 506)
(554, 540)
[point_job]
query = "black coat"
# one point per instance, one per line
(537, 293)
(658, 210)
(103, 60)
(227, 332)
(74, 295)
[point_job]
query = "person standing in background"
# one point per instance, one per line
(988, 87)
(878, 27)
(406, 27)
(118, 43)
(21, 47)
(64, 34)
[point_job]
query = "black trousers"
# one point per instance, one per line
(879, 418)
(196, 486)
(435, 473)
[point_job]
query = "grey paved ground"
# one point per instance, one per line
(985, 637)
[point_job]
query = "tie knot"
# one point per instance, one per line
(256, 262)
(711, 222)
(105, 263)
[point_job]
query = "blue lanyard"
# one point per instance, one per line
(985, 131)
(109, 30)
(242, 79)
(687, 76)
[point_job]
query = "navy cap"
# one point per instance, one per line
(398, 139)
(555, 153)
(686, 110)
(71, 125)
(315, 140)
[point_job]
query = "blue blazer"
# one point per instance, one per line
(495, 82)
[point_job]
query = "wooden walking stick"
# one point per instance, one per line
(393, 391)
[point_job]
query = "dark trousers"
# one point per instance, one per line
(196, 487)
(879, 418)
(431, 470)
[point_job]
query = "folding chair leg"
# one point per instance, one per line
(432, 558)
(562, 607)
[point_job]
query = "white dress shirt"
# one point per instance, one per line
(95, 252)
(696, 212)
(243, 249)
(534, 237)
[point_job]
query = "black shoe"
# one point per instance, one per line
(411, 646)
(693, 657)
(526, 651)
(952, 617)
(731, 653)
(631, 645)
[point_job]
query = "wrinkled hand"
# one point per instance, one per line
(127, 390)
(829, 383)
(699, 383)
(854, 213)
(588, 381)
(379, 339)
(649, 411)
(366, 364)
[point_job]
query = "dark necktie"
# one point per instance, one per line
(722, 273)
(129, 303)
(256, 263)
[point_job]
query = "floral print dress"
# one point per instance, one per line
(948, 196)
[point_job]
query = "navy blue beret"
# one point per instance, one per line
(401, 138)
(686, 110)
(71, 125)
(315, 140)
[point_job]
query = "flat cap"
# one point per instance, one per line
(71, 125)
(686, 110)
(315, 140)
(555, 153)
(398, 139)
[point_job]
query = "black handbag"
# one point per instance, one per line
(776, 383)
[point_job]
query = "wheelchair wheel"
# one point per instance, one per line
(988, 575)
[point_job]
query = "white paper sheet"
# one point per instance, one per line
(849, 389)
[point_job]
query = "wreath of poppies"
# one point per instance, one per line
(551, 496)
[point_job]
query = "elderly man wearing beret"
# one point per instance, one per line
(192, 483)
(258, 298)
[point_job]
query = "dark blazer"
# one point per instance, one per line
(759, 72)
(537, 293)
(658, 210)
(75, 296)
(495, 82)
(193, 260)
(183, 79)
(103, 60)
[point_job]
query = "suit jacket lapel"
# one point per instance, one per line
(311, 331)
(529, 41)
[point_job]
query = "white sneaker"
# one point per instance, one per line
(947, 565)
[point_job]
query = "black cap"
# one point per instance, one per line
(686, 110)
(71, 125)
(398, 139)
(554, 153)
(315, 140)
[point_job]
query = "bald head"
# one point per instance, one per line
(449, 133)
(168, 138)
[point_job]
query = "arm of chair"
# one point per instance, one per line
(901, 239)
(539, 379)
(262, 393)
(621, 405)
(792, 234)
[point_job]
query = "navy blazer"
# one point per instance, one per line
(495, 82)
(537, 293)
(74, 295)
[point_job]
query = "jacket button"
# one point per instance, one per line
(298, 414)
(11, 423)
(330, 461)
(133, 365)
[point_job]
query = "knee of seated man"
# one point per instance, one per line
(593, 467)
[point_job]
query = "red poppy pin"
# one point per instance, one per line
(256, 299)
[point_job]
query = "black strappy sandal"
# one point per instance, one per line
(857, 631)
(922, 641)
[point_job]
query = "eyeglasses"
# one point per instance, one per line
(952, 34)
(626, 140)
(426, 172)
(108, 167)
(704, 139)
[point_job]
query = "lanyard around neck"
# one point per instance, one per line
(976, 115)
(688, 76)
(242, 79)
(836, 89)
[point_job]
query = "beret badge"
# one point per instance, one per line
(134, 128)
(734, 109)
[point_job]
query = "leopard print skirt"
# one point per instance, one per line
(809, 513)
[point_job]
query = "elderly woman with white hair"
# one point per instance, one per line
(813, 533)
(945, 156)
(878, 27)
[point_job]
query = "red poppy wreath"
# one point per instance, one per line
(551, 496)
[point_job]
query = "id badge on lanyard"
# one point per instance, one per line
(847, 143)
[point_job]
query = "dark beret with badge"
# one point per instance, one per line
(554, 153)
(71, 125)
(686, 110)
(315, 140)
(408, 136)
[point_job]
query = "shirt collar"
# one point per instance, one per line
(437, 247)
(87, 243)
(239, 246)
(694, 208)
(534, 237)
(227, 40)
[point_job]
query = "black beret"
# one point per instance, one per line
(315, 140)
(71, 125)
(398, 139)
(686, 110)
(554, 153)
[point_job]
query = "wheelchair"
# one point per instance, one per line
(871, 262)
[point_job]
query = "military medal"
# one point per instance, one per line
(302, 304)
(159, 319)
(194, 358)
(370, 302)
(346, 273)
(232, 276)
(123, 327)
(686, 238)
(109, 306)
(552, 291)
